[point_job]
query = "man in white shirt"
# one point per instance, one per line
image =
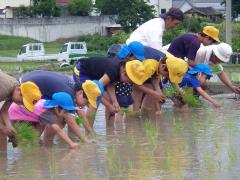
(150, 33)
(214, 55)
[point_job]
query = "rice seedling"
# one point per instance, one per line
(232, 155)
(26, 135)
(151, 132)
(184, 96)
(79, 121)
(128, 111)
(130, 141)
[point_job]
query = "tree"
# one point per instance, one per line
(131, 13)
(80, 7)
(23, 11)
(235, 7)
(45, 8)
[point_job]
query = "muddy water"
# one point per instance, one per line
(188, 144)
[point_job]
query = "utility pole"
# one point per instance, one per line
(229, 22)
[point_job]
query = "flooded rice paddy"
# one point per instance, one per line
(197, 143)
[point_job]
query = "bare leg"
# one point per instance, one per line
(3, 142)
(137, 95)
(108, 116)
(3, 138)
(48, 135)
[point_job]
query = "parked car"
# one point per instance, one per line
(72, 51)
(34, 52)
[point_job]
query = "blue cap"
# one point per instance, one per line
(61, 99)
(201, 68)
(135, 48)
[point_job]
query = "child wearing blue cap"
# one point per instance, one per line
(195, 78)
(53, 115)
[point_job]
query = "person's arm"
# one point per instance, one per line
(70, 120)
(104, 80)
(8, 128)
(112, 95)
(155, 94)
(223, 77)
(191, 63)
(64, 136)
(108, 105)
(207, 97)
(86, 124)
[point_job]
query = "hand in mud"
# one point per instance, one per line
(216, 105)
(235, 89)
(88, 141)
(111, 109)
(159, 96)
(116, 106)
(9, 130)
(74, 146)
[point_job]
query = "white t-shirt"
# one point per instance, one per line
(149, 34)
(203, 56)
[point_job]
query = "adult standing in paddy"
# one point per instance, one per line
(151, 32)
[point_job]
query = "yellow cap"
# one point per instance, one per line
(151, 67)
(31, 94)
(136, 72)
(176, 68)
(212, 32)
(92, 92)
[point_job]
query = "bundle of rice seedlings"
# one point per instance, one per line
(27, 136)
(185, 96)
(190, 99)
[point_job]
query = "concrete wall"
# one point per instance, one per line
(50, 29)
(13, 3)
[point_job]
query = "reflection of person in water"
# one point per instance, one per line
(3, 164)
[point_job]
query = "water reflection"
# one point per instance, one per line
(188, 144)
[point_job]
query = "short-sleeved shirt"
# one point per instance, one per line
(203, 56)
(190, 81)
(185, 46)
(96, 67)
(149, 34)
(7, 86)
(50, 82)
(40, 114)
(151, 53)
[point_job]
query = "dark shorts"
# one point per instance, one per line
(48, 117)
(124, 101)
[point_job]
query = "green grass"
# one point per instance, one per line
(11, 45)
(32, 65)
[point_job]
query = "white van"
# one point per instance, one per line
(33, 52)
(72, 51)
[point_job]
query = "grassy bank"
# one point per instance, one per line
(10, 46)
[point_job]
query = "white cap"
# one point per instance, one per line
(223, 51)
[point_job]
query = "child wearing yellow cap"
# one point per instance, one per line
(187, 45)
(10, 91)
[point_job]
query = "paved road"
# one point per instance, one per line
(4, 59)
